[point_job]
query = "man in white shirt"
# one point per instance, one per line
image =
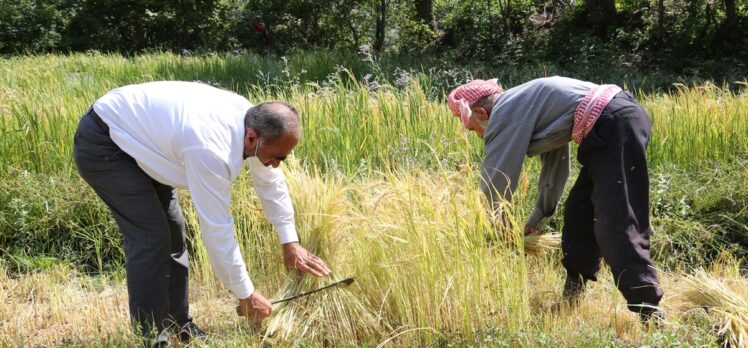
(137, 143)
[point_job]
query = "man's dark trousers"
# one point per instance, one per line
(152, 225)
(607, 212)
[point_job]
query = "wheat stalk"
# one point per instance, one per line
(728, 308)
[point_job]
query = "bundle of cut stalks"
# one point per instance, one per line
(332, 315)
(727, 305)
(336, 314)
(541, 243)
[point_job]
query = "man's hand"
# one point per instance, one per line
(255, 307)
(531, 230)
(296, 257)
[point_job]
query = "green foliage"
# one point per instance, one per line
(32, 25)
(21, 263)
(415, 37)
(47, 218)
(687, 37)
(130, 26)
(700, 213)
(307, 23)
(362, 121)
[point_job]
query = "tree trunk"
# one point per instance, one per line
(380, 28)
(506, 15)
(425, 13)
(730, 15)
(600, 14)
(354, 33)
(661, 18)
(726, 32)
(505, 11)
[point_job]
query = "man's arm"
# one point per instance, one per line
(553, 176)
(210, 188)
(507, 141)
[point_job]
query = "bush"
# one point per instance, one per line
(697, 215)
(31, 25)
(51, 217)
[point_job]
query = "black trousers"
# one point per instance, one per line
(607, 212)
(152, 225)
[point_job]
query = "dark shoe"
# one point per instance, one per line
(574, 287)
(162, 340)
(652, 315)
(190, 331)
(571, 297)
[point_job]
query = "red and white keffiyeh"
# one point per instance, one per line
(462, 97)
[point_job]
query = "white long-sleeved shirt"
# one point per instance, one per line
(190, 135)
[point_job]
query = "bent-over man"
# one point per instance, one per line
(138, 143)
(607, 212)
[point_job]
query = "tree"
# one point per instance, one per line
(381, 25)
(425, 13)
(600, 14)
(727, 33)
(32, 25)
(730, 17)
(505, 8)
(661, 18)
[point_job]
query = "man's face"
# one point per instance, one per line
(478, 121)
(269, 153)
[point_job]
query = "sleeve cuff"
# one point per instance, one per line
(535, 218)
(287, 233)
(242, 290)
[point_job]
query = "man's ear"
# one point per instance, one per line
(250, 137)
(481, 113)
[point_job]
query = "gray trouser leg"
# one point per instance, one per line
(151, 222)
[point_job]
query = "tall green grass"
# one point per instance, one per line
(700, 123)
(385, 188)
(360, 126)
(353, 123)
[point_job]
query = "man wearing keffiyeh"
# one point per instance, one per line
(606, 215)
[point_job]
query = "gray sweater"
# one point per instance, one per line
(534, 118)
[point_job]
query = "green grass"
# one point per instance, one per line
(707, 122)
(352, 123)
(385, 188)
